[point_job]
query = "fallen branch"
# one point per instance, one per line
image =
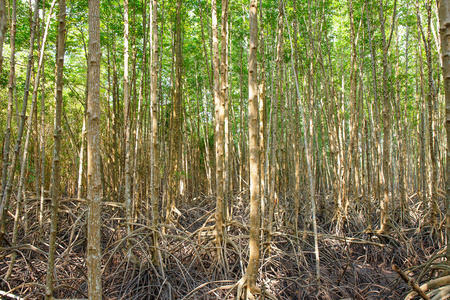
(410, 282)
(10, 295)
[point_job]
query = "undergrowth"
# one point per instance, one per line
(355, 262)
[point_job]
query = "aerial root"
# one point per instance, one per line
(439, 288)
(244, 292)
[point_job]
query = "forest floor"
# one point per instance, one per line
(354, 263)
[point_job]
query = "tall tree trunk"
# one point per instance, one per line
(444, 29)
(308, 152)
(254, 148)
(94, 186)
(81, 156)
(11, 87)
(12, 167)
(3, 26)
(127, 120)
(219, 110)
(55, 177)
(350, 166)
(384, 204)
(23, 166)
(274, 130)
(376, 113)
(224, 100)
(431, 121)
(262, 116)
(138, 136)
(297, 134)
(42, 152)
(175, 170)
(154, 157)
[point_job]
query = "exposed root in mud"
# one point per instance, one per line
(355, 263)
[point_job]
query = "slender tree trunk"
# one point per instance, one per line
(23, 166)
(421, 174)
(11, 87)
(431, 122)
(55, 177)
(262, 117)
(444, 29)
(225, 98)
(138, 145)
(42, 153)
(3, 26)
(384, 204)
(127, 120)
(376, 131)
(350, 167)
(94, 190)
(81, 156)
(254, 148)
(219, 111)
(154, 157)
(308, 153)
(12, 167)
(242, 136)
(175, 169)
(297, 134)
(273, 195)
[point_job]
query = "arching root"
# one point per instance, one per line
(244, 292)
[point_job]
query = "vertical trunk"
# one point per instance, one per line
(421, 167)
(401, 123)
(42, 153)
(350, 166)
(262, 115)
(81, 156)
(308, 153)
(207, 150)
(94, 190)
(12, 167)
(224, 100)
(127, 117)
(376, 131)
(277, 99)
(218, 130)
(55, 177)
(11, 84)
(384, 204)
(242, 168)
(23, 166)
(3, 25)
(431, 122)
(255, 189)
(404, 156)
(444, 29)
(297, 134)
(137, 135)
(176, 120)
(154, 157)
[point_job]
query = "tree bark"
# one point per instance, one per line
(154, 157)
(384, 204)
(55, 177)
(11, 87)
(444, 29)
(3, 26)
(127, 120)
(12, 167)
(219, 110)
(94, 190)
(175, 170)
(254, 148)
